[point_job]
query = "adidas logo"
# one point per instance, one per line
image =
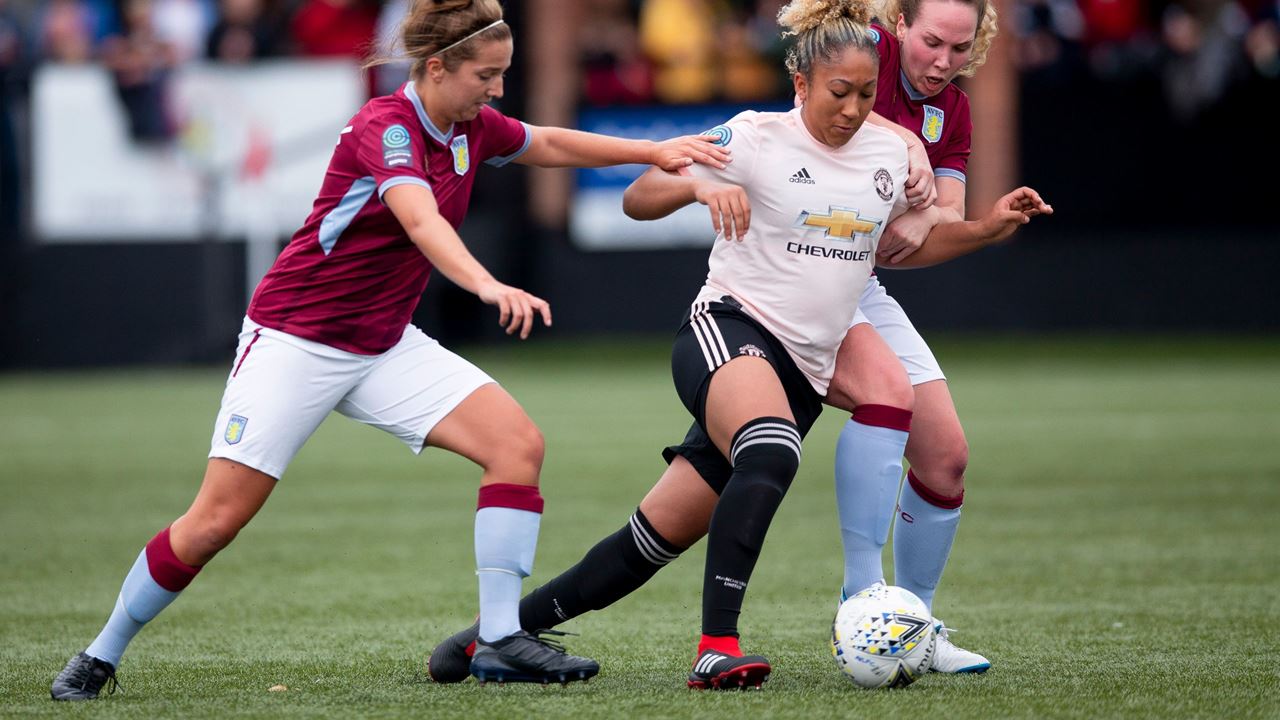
(802, 177)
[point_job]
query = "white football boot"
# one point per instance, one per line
(951, 659)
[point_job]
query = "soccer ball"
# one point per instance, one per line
(883, 637)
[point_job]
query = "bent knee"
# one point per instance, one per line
(943, 471)
(769, 448)
(208, 534)
(519, 458)
(895, 391)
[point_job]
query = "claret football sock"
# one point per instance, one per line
(154, 581)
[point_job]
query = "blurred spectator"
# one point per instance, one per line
(336, 28)
(13, 66)
(614, 70)
(141, 63)
(680, 37)
(66, 31)
(1206, 54)
(183, 25)
(1112, 21)
(1048, 33)
(749, 73)
(245, 31)
(1262, 43)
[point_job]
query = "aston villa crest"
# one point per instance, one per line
(932, 127)
(461, 156)
(235, 429)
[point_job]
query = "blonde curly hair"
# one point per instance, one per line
(824, 28)
(889, 10)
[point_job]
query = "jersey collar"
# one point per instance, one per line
(912, 93)
(432, 130)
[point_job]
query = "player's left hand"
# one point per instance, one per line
(904, 236)
(920, 187)
(516, 308)
(673, 154)
(1012, 212)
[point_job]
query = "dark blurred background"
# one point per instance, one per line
(1150, 126)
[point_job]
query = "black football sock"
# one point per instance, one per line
(613, 569)
(765, 456)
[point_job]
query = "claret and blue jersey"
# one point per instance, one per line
(941, 121)
(350, 277)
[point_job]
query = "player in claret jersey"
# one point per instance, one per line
(923, 45)
(328, 329)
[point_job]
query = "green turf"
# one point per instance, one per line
(1120, 554)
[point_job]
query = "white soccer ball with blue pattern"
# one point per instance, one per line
(883, 637)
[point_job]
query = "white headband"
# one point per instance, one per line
(490, 26)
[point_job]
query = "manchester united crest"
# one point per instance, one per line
(884, 184)
(931, 129)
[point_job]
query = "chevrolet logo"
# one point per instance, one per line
(842, 223)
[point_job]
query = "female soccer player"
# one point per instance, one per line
(754, 360)
(328, 329)
(924, 45)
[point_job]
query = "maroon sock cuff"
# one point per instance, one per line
(166, 569)
(508, 495)
(931, 497)
(885, 416)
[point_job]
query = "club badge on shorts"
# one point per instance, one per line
(235, 429)
(461, 156)
(931, 129)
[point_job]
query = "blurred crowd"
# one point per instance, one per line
(693, 51)
(142, 41)
(1201, 50)
(633, 52)
(639, 51)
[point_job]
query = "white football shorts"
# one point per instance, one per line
(281, 388)
(882, 312)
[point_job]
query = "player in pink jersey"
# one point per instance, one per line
(923, 46)
(328, 329)
(808, 200)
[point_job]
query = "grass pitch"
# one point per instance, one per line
(1119, 555)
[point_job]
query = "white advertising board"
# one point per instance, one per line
(93, 183)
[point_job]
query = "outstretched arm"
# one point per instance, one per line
(952, 240)
(560, 147)
(415, 207)
(657, 194)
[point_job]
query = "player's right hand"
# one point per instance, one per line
(516, 308)
(673, 154)
(729, 206)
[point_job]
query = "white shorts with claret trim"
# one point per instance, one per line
(281, 388)
(882, 312)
